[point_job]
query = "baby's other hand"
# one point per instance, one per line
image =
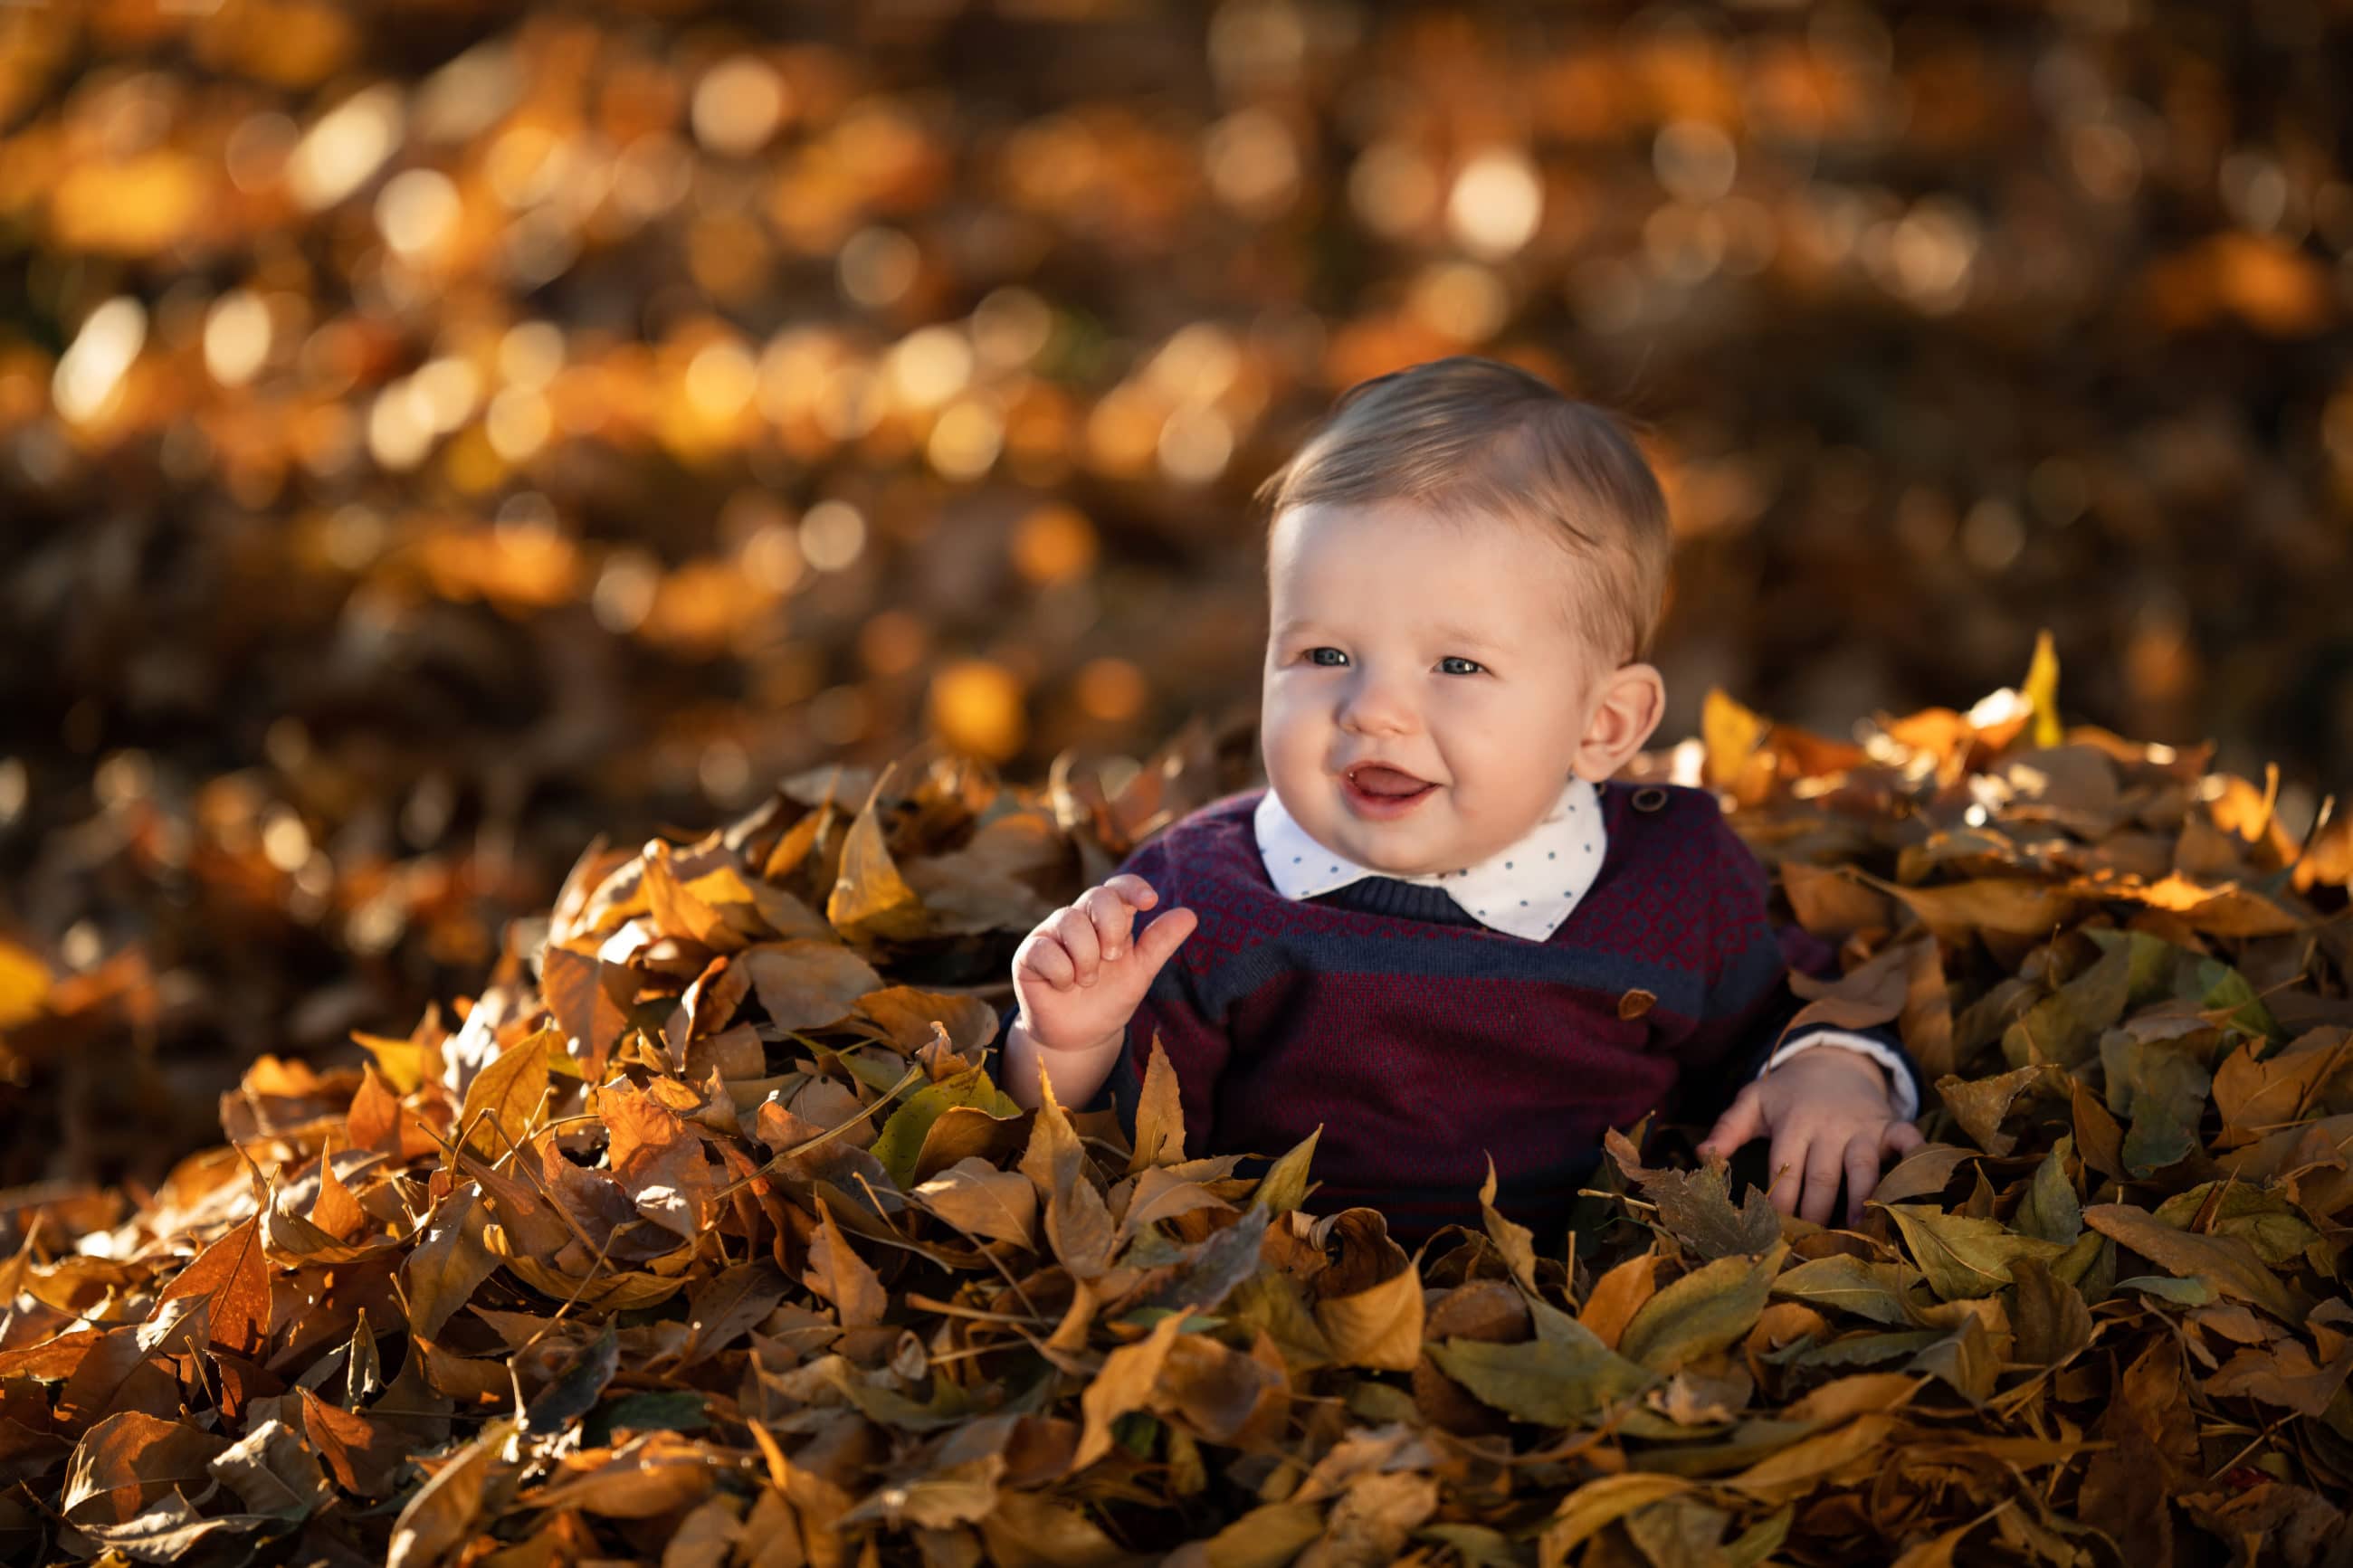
(1078, 976)
(1831, 1115)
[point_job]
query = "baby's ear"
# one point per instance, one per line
(1631, 702)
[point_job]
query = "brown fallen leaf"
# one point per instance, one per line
(2225, 1263)
(806, 984)
(227, 1289)
(128, 1460)
(837, 1273)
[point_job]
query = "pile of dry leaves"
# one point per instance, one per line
(705, 1237)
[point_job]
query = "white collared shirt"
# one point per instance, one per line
(1526, 889)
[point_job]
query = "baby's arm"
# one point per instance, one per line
(1897, 1071)
(1077, 1074)
(1832, 1114)
(1077, 981)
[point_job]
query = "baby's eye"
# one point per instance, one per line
(1315, 656)
(1467, 666)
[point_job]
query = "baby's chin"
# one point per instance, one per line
(1394, 854)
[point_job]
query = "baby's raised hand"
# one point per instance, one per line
(1830, 1115)
(1078, 976)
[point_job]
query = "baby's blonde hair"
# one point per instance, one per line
(1466, 437)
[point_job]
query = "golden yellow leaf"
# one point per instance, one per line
(870, 899)
(2041, 690)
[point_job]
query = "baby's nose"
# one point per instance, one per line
(1376, 707)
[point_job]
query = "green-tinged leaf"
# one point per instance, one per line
(2265, 1219)
(2191, 1292)
(1964, 1258)
(1475, 1545)
(2162, 1087)
(1595, 1505)
(2220, 989)
(1964, 1359)
(945, 1404)
(1848, 1284)
(1284, 1185)
(2051, 1209)
(1553, 1382)
(2161, 969)
(1858, 1350)
(2089, 1264)
(2064, 1027)
(1702, 1312)
(901, 1144)
(2225, 1263)
(1759, 1540)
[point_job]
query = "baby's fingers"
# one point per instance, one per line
(1076, 932)
(1744, 1119)
(1861, 1173)
(1788, 1178)
(1044, 956)
(1134, 889)
(1114, 906)
(1824, 1165)
(1112, 916)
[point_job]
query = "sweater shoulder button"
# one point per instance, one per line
(1649, 798)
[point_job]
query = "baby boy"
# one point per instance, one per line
(1443, 931)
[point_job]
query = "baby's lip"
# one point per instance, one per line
(1353, 769)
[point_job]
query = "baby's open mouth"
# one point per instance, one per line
(1377, 787)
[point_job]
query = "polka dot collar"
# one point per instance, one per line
(1527, 891)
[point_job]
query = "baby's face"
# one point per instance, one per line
(1440, 649)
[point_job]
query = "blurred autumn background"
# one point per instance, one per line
(434, 434)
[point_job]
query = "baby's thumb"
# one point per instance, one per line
(1161, 938)
(1743, 1121)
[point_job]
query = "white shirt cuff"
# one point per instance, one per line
(1899, 1078)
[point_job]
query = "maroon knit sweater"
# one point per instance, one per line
(1422, 1042)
